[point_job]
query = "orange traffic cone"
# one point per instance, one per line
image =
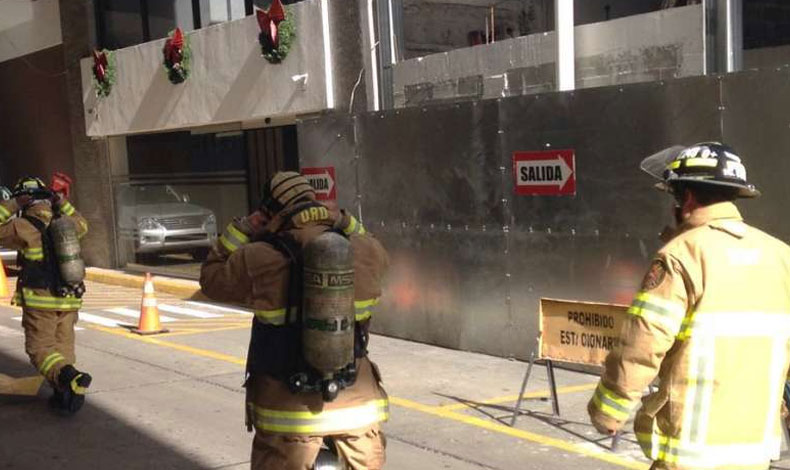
(4, 292)
(149, 312)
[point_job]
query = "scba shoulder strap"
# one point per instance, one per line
(41, 274)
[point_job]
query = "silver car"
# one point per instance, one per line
(159, 220)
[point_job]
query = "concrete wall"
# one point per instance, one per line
(28, 26)
(654, 46)
(35, 138)
(230, 81)
(766, 57)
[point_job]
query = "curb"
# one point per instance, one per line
(178, 287)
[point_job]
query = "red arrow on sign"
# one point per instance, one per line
(323, 182)
(545, 173)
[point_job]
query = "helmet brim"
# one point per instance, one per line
(746, 192)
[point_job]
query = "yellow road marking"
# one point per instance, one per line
(493, 401)
(519, 433)
(442, 412)
(177, 346)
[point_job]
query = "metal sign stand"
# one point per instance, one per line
(555, 403)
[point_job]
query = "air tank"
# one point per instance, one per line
(66, 244)
(328, 307)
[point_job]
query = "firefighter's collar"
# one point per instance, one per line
(723, 216)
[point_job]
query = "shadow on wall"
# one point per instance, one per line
(31, 436)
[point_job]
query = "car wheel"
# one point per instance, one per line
(200, 254)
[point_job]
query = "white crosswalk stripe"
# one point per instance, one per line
(187, 311)
(128, 312)
(91, 318)
(114, 317)
(238, 311)
(6, 332)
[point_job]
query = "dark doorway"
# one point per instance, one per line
(269, 150)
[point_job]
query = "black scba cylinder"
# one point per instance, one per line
(328, 309)
(66, 244)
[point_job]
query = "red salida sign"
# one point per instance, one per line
(323, 181)
(545, 173)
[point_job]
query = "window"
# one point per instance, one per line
(124, 23)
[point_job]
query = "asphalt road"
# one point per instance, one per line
(175, 401)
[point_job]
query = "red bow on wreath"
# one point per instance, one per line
(100, 66)
(270, 20)
(174, 48)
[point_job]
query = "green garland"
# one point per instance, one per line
(179, 72)
(104, 87)
(287, 33)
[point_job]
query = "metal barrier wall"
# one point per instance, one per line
(470, 259)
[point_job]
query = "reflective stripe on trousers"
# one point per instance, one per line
(50, 361)
(325, 422)
(612, 404)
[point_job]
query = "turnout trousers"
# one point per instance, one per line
(363, 450)
(49, 340)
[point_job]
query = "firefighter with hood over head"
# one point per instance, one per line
(711, 321)
(46, 233)
(313, 277)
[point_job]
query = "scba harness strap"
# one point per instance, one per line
(40, 269)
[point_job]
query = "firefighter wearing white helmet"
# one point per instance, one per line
(313, 277)
(711, 321)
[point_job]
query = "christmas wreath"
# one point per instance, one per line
(277, 32)
(177, 56)
(103, 72)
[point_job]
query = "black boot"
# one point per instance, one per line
(56, 400)
(73, 385)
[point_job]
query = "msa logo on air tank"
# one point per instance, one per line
(328, 279)
(548, 173)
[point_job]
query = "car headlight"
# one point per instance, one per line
(211, 219)
(148, 223)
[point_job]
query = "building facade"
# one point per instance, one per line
(418, 107)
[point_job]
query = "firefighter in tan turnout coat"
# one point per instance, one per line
(711, 321)
(47, 317)
(248, 265)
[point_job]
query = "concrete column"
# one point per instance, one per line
(93, 189)
(346, 49)
(566, 51)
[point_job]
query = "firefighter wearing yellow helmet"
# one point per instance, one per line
(49, 287)
(711, 321)
(312, 275)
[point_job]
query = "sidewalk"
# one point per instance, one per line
(176, 402)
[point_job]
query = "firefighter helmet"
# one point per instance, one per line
(284, 189)
(707, 163)
(28, 185)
